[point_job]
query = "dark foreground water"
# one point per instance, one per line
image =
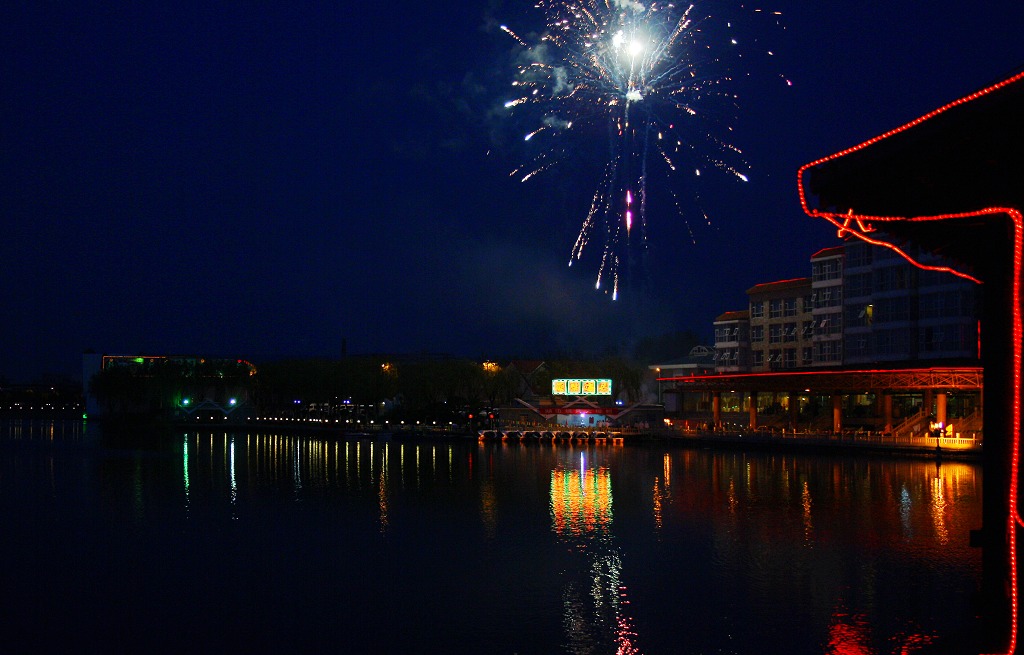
(221, 542)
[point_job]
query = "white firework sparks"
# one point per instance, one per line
(631, 74)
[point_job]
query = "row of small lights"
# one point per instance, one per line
(324, 420)
(46, 406)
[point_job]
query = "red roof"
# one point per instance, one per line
(828, 252)
(734, 316)
(781, 285)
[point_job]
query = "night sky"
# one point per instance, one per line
(264, 180)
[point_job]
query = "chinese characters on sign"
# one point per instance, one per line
(581, 387)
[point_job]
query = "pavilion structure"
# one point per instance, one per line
(932, 385)
(950, 182)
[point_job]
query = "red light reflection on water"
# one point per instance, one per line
(625, 635)
(850, 634)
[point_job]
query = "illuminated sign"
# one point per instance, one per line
(581, 387)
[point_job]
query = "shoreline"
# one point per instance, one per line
(948, 448)
(827, 443)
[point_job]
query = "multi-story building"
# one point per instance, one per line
(826, 299)
(895, 311)
(780, 325)
(862, 304)
(732, 342)
(948, 314)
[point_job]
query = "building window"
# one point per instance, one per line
(789, 358)
(789, 332)
(858, 285)
(858, 254)
(892, 342)
(726, 333)
(893, 309)
(789, 307)
(775, 309)
(757, 333)
(830, 324)
(860, 315)
(830, 269)
(828, 351)
(807, 356)
(892, 278)
(946, 338)
(946, 304)
(775, 358)
(758, 358)
(857, 345)
(807, 329)
(829, 297)
(757, 309)
(774, 333)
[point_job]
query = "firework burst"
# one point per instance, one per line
(636, 79)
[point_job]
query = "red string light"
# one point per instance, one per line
(859, 224)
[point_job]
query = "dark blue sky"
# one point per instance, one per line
(265, 179)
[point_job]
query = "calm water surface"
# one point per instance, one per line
(263, 542)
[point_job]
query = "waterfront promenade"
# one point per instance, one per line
(864, 441)
(967, 447)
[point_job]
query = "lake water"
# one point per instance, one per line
(269, 542)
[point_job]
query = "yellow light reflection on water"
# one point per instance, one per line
(657, 504)
(234, 479)
(382, 492)
(581, 501)
(938, 510)
(805, 502)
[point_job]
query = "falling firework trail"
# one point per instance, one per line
(639, 72)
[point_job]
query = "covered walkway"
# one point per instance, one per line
(896, 401)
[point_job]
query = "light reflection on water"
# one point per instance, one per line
(580, 549)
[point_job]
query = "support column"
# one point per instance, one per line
(753, 410)
(837, 413)
(794, 409)
(716, 409)
(887, 411)
(929, 399)
(940, 408)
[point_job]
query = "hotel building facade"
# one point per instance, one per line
(862, 305)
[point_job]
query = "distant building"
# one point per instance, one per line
(531, 378)
(700, 361)
(826, 301)
(780, 317)
(168, 387)
(895, 311)
(732, 342)
(863, 304)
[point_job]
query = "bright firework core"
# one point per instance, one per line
(634, 74)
